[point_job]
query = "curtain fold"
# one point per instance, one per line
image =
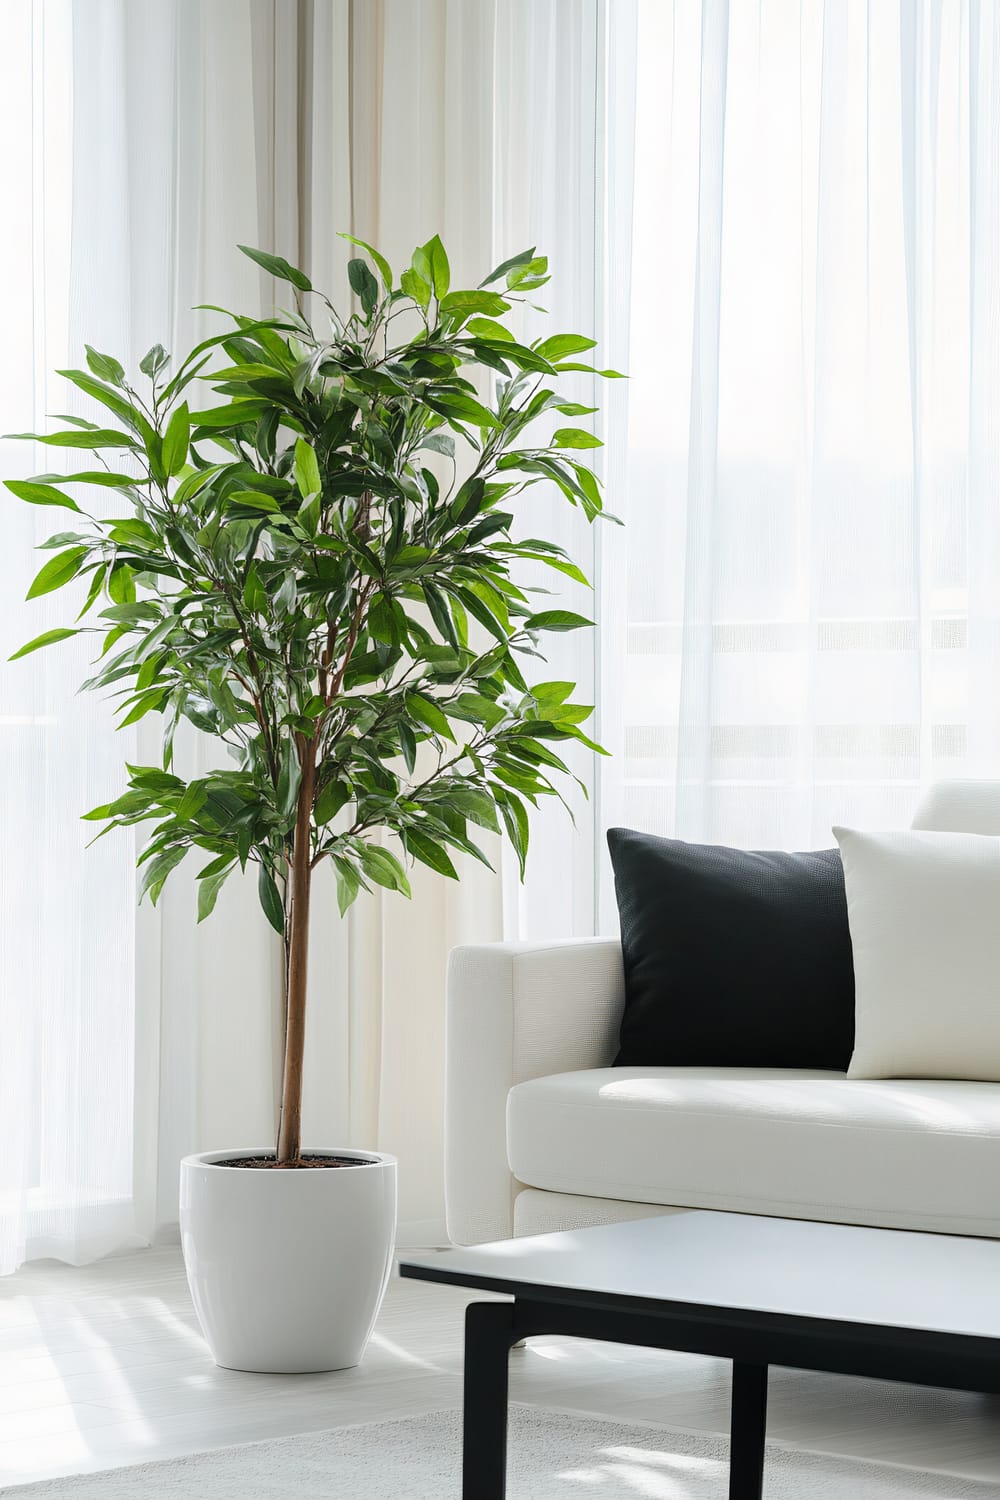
(550, 192)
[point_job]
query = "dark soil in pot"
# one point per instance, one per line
(302, 1164)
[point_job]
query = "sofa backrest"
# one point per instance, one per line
(960, 807)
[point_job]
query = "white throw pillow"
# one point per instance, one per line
(924, 912)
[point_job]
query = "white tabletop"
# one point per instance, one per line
(877, 1277)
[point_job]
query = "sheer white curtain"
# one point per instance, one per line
(137, 151)
(807, 590)
(66, 937)
(563, 164)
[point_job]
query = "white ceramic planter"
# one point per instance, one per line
(287, 1269)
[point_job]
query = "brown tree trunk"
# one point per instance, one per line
(297, 963)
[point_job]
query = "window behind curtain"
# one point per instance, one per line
(805, 600)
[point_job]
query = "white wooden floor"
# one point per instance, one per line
(104, 1366)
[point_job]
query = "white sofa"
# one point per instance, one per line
(541, 1133)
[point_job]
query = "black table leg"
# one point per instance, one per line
(749, 1422)
(489, 1334)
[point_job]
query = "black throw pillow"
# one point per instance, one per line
(732, 958)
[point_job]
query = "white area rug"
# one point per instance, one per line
(552, 1455)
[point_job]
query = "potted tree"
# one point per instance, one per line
(318, 567)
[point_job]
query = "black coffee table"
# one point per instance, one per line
(888, 1304)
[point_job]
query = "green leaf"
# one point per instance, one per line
(490, 303)
(575, 437)
(149, 672)
(98, 814)
(407, 745)
(209, 887)
(561, 566)
(90, 437)
(485, 328)
(561, 344)
(461, 408)
(309, 515)
(62, 539)
(474, 708)
(192, 802)
(58, 571)
(289, 781)
(348, 883)
(104, 366)
(469, 500)
(40, 494)
(440, 270)
(112, 399)
(428, 714)
(527, 277)
(437, 604)
(384, 868)
(158, 869)
(516, 261)
(278, 266)
(482, 613)
(147, 704)
(415, 287)
(132, 614)
(121, 584)
(334, 796)
(440, 442)
(515, 820)
(589, 485)
(270, 900)
(253, 500)
(384, 268)
(153, 362)
(549, 695)
(111, 639)
(48, 638)
(363, 284)
(568, 365)
(423, 848)
(475, 804)
(63, 416)
(556, 619)
(383, 622)
(307, 469)
(216, 866)
(103, 477)
(133, 533)
(175, 440)
(235, 414)
(578, 734)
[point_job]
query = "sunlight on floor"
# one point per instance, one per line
(104, 1366)
(380, 1341)
(645, 1473)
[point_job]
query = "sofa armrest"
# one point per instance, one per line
(515, 1011)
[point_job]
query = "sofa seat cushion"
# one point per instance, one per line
(902, 1153)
